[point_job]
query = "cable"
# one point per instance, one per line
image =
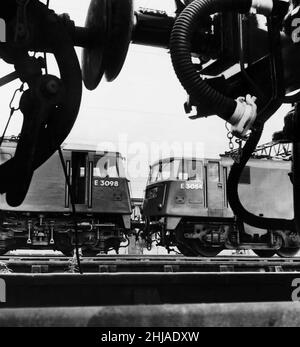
(6, 127)
(209, 99)
(71, 195)
(12, 112)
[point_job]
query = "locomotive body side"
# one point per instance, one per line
(101, 196)
(265, 187)
(46, 194)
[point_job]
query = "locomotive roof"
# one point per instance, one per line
(12, 142)
(166, 160)
(222, 158)
(274, 151)
(89, 148)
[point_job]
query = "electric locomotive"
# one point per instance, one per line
(186, 206)
(45, 220)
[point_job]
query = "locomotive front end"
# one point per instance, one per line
(98, 191)
(185, 203)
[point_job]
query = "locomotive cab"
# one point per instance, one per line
(185, 199)
(99, 191)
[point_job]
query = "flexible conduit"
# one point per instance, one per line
(210, 101)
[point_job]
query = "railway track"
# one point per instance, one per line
(134, 264)
(35, 282)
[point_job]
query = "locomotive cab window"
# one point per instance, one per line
(79, 175)
(213, 172)
(169, 170)
(176, 169)
(193, 170)
(109, 166)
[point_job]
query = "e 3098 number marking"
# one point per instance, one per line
(104, 183)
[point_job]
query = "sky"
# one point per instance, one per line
(141, 110)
